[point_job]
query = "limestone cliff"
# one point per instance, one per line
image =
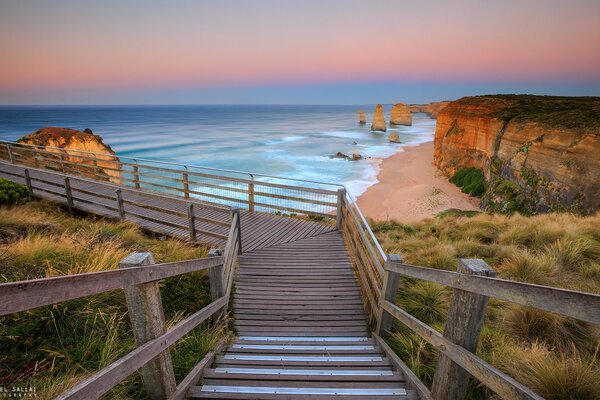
(72, 145)
(538, 153)
(378, 123)
(432, 109)
(400, 115)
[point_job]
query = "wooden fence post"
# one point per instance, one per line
(251, 194)
(10, 154)
(62, 163)
(28, 182)
(191, 221)
(465, 319)
(391, 282)
(148, 321)
(136, 176)
(236, 211)
(69, 195)
(186, 185)
(340, 203)
(120, 204)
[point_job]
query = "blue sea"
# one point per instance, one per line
(292, 141)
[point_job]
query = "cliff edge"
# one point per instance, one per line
(538, 153)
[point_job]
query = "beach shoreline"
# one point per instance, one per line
(409, 188)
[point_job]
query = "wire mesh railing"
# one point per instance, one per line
(254, 192)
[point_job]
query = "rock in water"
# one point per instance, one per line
(378, 123)
(70, 143)
(394, 137)
(361, 118)
(400, 115)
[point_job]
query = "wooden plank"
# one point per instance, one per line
(570, 303)
(194, 375)
(496, 380)
(107, 378)
(25, 295)
(412, 381)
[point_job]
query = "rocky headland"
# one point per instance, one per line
(70, 143)
(378, 123)
(537, 153)
(400, 115)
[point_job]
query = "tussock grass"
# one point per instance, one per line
(54, 347)
(554, 355)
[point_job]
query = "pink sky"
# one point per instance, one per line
(50, 47)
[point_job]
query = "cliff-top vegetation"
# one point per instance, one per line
(551, 111)
(555, 356)
(52, 348)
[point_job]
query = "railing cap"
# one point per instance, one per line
(475, 266)
(394, 258)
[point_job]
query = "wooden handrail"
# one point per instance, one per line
(579, 305)
(108, 377)
(493, 378)
(25, 295)
(473, 284)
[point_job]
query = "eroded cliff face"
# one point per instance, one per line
(432, 109)
(538, 153)
(71, 144)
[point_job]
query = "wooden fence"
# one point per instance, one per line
(473, 283)
(254, 192)
(139, 277)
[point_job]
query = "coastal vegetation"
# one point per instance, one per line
(470, 181)
(554, 355)
(11, 192)
(52, 348)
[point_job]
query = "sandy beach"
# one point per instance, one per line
(410, 188)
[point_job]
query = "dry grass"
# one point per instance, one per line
(53, 347)
(554, 355)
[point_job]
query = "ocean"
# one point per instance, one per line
(292, 141)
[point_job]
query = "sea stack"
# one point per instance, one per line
(394, 137)
(378, 123)
(361, 118)
(400, 115)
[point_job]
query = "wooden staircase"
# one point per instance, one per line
(303, 330)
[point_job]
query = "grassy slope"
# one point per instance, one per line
(53, 347)
(554, 355)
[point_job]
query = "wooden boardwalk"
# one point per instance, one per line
(302, 329)
(298, 309)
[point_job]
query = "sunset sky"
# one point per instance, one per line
(319, 52)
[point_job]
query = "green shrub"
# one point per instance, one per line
(11, 192)
(470, 180)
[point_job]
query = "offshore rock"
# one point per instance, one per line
(378, 123)
(400, 115)
(362, 120)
